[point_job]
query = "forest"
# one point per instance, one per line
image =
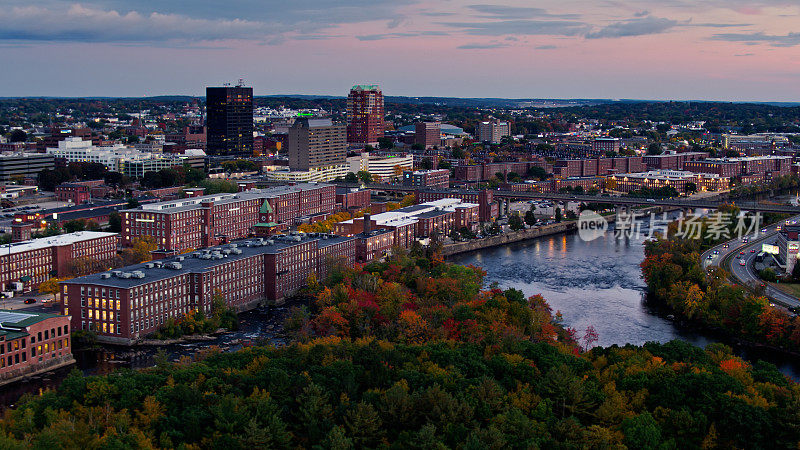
(415, 352)
(675, 277)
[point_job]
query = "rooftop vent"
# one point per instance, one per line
(149, 265)
(105, 275)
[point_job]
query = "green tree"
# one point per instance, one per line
(530, 218)
(558, 214)
(364, 176)
(515, 222)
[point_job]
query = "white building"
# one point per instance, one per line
(319, 174)
(126, 160)
(382, 167)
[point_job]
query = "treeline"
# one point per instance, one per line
(675, 277)
(415, 353)
(748, 118)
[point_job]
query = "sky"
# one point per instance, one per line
(731, 50)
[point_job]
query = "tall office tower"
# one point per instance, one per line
(493, 131)
(364, 115)
(316, 144)
(230, 120)
(428, 134)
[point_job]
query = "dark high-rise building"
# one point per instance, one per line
(364, 115)
(229, 120)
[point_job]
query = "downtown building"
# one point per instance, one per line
(125, 305)
(437, 178)
(493, 131)
(229, 121)
(317, 152)
(24, 265)
(365, 114)
(24, 165)
(209, 220)
(428, 134)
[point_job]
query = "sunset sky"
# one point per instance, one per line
(645, 49)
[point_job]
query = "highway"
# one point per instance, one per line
(730, 253)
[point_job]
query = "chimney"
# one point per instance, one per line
(366, 223)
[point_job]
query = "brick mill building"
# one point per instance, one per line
(25, 265)
(31, 343)
(124, 305)
(209, 220)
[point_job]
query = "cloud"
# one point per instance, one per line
(477, 46)
(545, 47)
(521, 27)
(786, 40)
(156, 22)
(518, 12)
(644, 13)
(634, 27)
(86, 24)
(381, 36)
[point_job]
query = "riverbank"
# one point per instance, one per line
(512, 237)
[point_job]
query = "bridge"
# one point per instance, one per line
(681, 203)
(635, 201)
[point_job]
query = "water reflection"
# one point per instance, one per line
(595, 283)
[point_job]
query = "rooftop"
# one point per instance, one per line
(189, 203)
(63, 239)
(202, 260)
(14, 323)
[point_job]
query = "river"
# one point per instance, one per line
(597, 283)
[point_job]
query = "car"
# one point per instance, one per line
(763, 230)
(752, 250)
(741, 252)
(745, 240)
(710, 256)
(742, 262)
(724, 245)
(716, 252)
(28, 301)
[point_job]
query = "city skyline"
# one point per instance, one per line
(707, 50)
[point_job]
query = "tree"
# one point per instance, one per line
(515, 222)
(654, 149)
(50, 286)
(364, 176)
(690, 188)
(140, 251)
(530, 218)
(132, 204)
(351, 177)
(558, 214)
(114, 222)
(385, 143)
(18, 136)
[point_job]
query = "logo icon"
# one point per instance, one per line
(591, 225)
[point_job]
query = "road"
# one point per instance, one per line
(729, 255)
(17, 303)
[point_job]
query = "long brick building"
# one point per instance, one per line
(25, 265)
(209, 220)
(124, 305)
